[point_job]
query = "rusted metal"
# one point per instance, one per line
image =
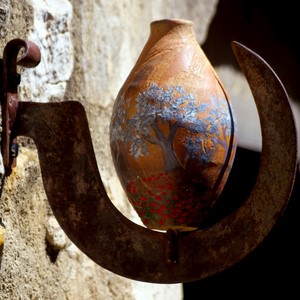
(9, 93)
(171, 246)
(77, 196)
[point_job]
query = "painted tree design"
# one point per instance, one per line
(176, 109)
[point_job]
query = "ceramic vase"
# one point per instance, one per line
(173, 130)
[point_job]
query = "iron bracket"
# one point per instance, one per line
(9, 82)
(80, 203)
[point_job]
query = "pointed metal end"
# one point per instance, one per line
(253, 66)
(240, 51)
(244, 56)
(238, 47)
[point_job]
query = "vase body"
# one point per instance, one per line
(172, 131)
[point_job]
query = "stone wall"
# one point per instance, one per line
(88, 48)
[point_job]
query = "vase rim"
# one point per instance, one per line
(174, 21)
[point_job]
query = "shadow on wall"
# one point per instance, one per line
(269, 28)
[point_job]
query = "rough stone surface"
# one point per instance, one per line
(88, 48)
(53, 21)
(16, 20)
(55, 236)
(4, 12)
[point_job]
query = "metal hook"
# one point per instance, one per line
(9, 93)
(79, 201)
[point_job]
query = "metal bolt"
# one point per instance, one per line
(14, 150)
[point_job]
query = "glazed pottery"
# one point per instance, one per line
(172, 131)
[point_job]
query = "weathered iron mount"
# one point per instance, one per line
(79, 202)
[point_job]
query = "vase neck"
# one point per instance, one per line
(163, 27)
(170, 29)
(166, 32)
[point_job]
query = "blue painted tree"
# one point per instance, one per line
(176, 109)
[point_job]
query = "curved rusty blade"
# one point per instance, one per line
(84, 211)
